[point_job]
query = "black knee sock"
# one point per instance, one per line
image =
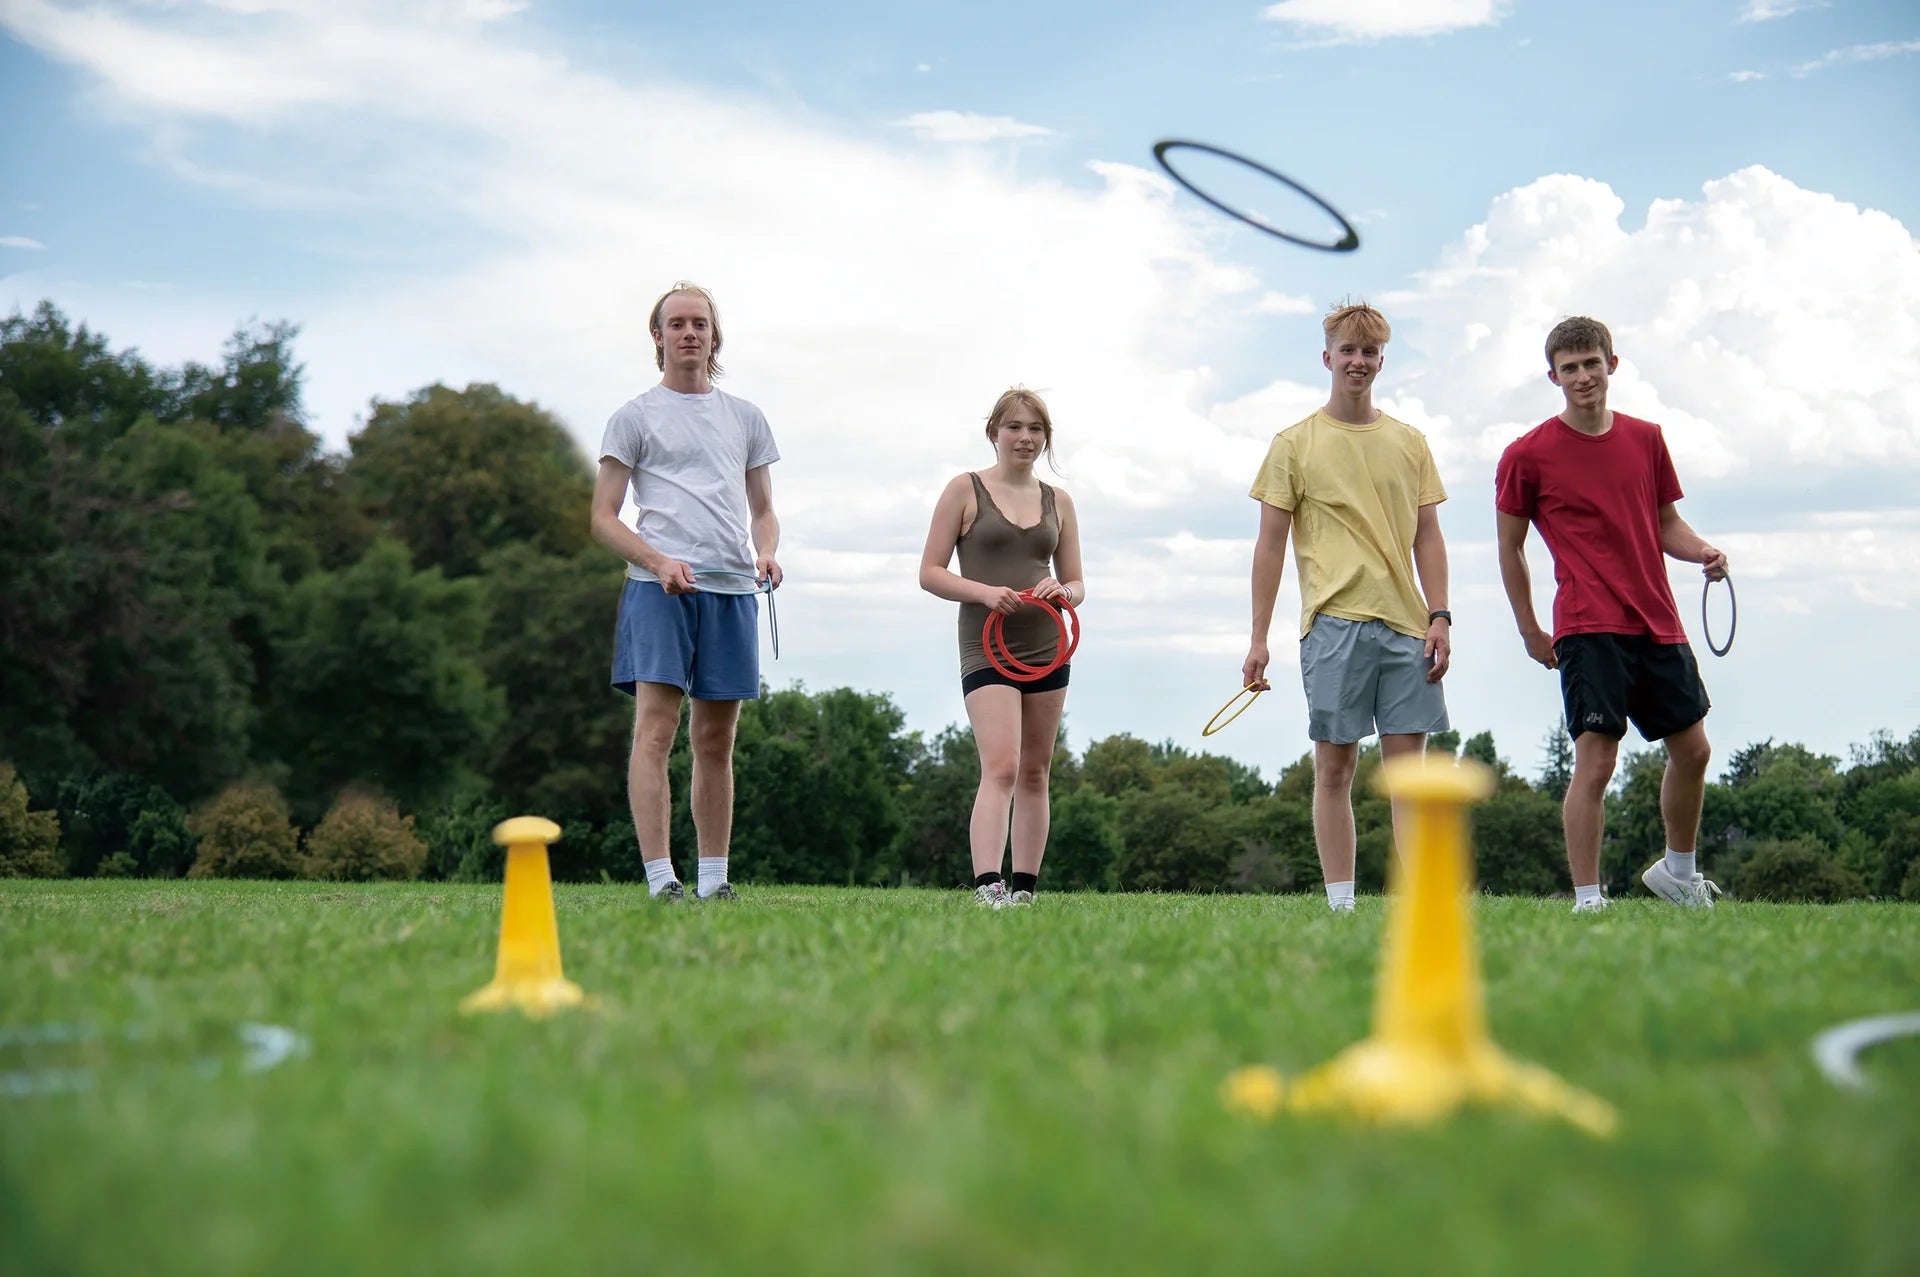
(1025, 882)
(986, 879)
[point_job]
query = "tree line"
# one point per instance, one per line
(229, 651)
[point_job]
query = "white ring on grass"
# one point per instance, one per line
(265, 1046)
(1834, 1050)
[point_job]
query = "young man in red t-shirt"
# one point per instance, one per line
(1601, 488)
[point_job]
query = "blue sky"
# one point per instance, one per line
(904, 209)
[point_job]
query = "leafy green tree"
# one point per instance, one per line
(1118, 765)
(1175, 840)
(115, 813)
(377, 679)
(1556, 772)
(943, 776)
(29, 840)
(1795, 870)
(244, 831)
(1083, 845)
(364, 838)
(1278, 853)
(458, 473)
(1519, 847)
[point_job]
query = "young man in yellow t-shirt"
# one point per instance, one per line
(1360, 495)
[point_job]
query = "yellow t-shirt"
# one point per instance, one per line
(1355, 493)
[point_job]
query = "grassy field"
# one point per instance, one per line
(836, 1081)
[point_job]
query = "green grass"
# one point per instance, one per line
(837, 1082)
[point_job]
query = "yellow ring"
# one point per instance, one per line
(1214, 724)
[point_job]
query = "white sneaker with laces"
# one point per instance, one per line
(1341, 906)
(1598, 904)
(1020, 899)
(1663, 882)
(993, 896)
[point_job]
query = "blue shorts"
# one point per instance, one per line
(1364, 677)
(705, 644)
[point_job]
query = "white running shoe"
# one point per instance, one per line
(994, 895)
(1598, 904)
(1340, 906)
(1019, 899)
(1664, 883)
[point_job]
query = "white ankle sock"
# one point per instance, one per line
(1339, 893)
(659, 874)
(713, 872)
(1680, 864)
(1583, 894)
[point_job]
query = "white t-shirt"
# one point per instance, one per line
(690, 455)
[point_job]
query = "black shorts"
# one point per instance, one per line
(1606, 679)
(991, 677)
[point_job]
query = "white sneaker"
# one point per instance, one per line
(1596, 905)
(993, 896)
(1340, 906)
(1019, 898)
(1664, 883)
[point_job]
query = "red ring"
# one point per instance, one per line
(1013, 667)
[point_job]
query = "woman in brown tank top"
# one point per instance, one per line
(1013, 533)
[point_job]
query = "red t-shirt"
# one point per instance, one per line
(1596, 500)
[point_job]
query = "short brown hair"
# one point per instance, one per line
(1577, 332)
(1021, 396)
(1362, 320)
(713, 313)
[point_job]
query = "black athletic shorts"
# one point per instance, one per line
(1606, 679)
(991, 677)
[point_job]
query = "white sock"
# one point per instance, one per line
(1583, 894)
(659, 874)
(1339, 893)
(713, 872)
(1680, 864)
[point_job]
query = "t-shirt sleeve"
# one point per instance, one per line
(1432, 491)
(761, 450)
(1278, 483)
(1516, 490)
(1666, 482)
(625, 436)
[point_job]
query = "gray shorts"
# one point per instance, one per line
(1364, 677)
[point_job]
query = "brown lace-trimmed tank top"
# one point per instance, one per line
(996, 551)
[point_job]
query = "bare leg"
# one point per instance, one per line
(994, 712)
(1684, 786)
(1333, 767)
(1584, 813)
(1399, 745)
(1039, 727)
(656, 719)
(710, 729)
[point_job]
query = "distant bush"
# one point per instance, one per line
(244, 831)
(109, 814)
(364, 838)
(1910, 886)
(1795, 870)
(29, 840)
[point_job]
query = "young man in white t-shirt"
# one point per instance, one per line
(697, 462)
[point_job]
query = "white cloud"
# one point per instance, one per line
(1858, 53)
(19, 241)
(1763, 324)
(1379, 19)
(1285, 304)
(1768, 10)
(1746, 77)
(965, 126)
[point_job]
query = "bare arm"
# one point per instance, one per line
(609, 493)
(1679, 539)
(763, 523)
(1269, 565)
(1430, 560)
(949, 518)
(1518, 579)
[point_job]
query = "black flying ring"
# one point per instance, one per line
(1346, 244)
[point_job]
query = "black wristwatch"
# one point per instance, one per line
(1441, 615)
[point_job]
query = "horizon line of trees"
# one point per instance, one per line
(215, 634)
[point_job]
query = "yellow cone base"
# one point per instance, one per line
(1378, 1081)
(534, 997)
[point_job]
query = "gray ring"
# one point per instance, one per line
(1346, 244)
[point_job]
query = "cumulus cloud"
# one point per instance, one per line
(20, 241)
(1877, 52)
(1285, 304)
(1379, 19)
(966, 126)
(1768, 10)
